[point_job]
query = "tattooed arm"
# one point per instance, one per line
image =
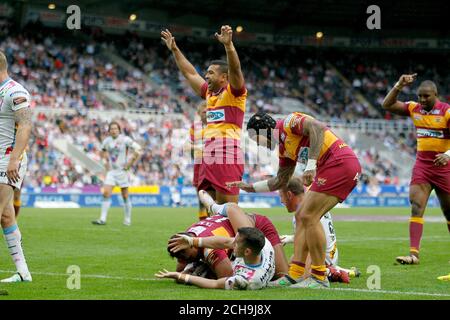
(275, 183)
(281, 179)
(23, 121)
(316, 133)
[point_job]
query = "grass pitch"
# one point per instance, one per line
(118, 262)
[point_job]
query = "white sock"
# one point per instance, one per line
(106, 203)
(219, 209)
(127, 210)
(13, 239)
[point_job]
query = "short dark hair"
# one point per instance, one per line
(262, 121)
(176, 254)
(114, 123)
(253, 238)
(223, 65)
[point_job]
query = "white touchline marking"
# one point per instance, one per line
(100, 276)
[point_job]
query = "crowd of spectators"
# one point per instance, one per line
(71, 75)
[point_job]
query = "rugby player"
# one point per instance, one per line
(224, 222)
(15, 129)
(432, 168)
(196, 139)
(225, 94)
(253, 267)
(332, 170)
(115, 150)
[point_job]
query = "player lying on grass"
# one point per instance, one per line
(253, 267)
(292, 196)
(217, 259)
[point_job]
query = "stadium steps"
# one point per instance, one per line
(363, 141)
(78, 155)
(118, 60)
(358, 95)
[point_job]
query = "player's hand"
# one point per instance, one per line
(308, 177)
(167, 274)
(12, 171)
(168, 39)
(406, 79)
(225, 36)
(441, 160)
(287, 238)
(241, 185)
(180, 243)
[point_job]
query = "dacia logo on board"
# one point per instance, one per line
(215, 116)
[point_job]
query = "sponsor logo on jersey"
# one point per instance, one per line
(417, 117)
(321, 181)
(215, 116)
(422, 133)
(19, 100)
(303, 155)
(436, 111)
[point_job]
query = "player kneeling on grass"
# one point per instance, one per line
(253, 267)
(292, 196)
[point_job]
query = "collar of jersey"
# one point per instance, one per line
(435, 104)
(256, 265)
(5, 82)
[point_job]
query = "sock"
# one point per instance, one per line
(202, 214)
(296, 269)
(105, 207)
(14, 242)
(415, 234)
(219, 209)
(17, 204)
(319, 272)
(127, 210)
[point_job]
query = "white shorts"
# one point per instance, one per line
(4, 161)
(117, 178)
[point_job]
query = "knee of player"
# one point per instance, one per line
(417, 209)
(7, 220)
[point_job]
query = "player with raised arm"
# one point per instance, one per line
(253, 267)
(432, 168)
(225, 94)
(332, 169)
(15, 129)
(115, 149)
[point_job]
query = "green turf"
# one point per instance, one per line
(54, 239)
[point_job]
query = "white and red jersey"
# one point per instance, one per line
(118, 150)
(13, 97)
(253, 277)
